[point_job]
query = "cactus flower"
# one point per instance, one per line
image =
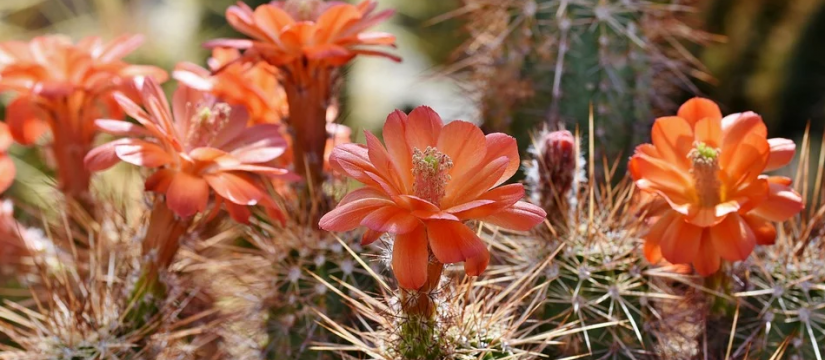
(709, 170)
(63, 87)
(428, 180)
(308, 41)
(199, 146)
(253, 85)
(7, 170)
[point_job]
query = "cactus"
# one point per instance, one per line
(473, 320)
(539, 61)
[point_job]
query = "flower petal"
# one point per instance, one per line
(489, 203)
(102, 157)
(423, 128)
(395, 139)
(159, 181)
(237, 188)
(25, 121)
(673, 138)
(484, 179)
(699, 108)
(498, 145)
(452, 241)
(465, 144)
(410, 258)
(187, 194)
(707, 260)
(142, 153)
(121, 128)
(353, 160)
(783, 202)
(239, 213)
(522, 216)
(763, 229)
(709, 131)
(384, 167)
(680, 242)
(391, 219)
(782, 152)
(732, 238)
(655, 175)
(348, 216)
(7, 172)
(370, 237)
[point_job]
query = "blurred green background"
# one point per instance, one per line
(771, 57)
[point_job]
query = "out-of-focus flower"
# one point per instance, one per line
(307, 41)
(63, 87)
(424, 185)
(338, 135)
(252, 85)
(708, 169)
(7, 169)
(198, 145)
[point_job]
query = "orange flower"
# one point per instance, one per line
(63, 87)
(307, 35)
(424, 185)
(198, 145)
(708, 169)
(255, 86)
(7, 170)
(307, 41)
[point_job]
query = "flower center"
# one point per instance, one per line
(206, 124)
(705, 170)
(430, 174)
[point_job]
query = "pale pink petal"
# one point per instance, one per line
(142, 153)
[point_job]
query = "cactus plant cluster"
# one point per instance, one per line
(537, 61)
(247, 240)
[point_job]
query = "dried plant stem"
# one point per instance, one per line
(308, 101)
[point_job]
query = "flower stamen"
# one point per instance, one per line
(705, 171)
(207, 123)
(431, 174)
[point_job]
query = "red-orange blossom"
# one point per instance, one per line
(709, 170)
(424, 185)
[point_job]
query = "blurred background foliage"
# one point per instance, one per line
(769, 57)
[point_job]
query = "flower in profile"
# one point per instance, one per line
(422, 187)
(252, 85)
(307, 40)
(7, 169)
(709, 171)
(63, 87)
(199, 147)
